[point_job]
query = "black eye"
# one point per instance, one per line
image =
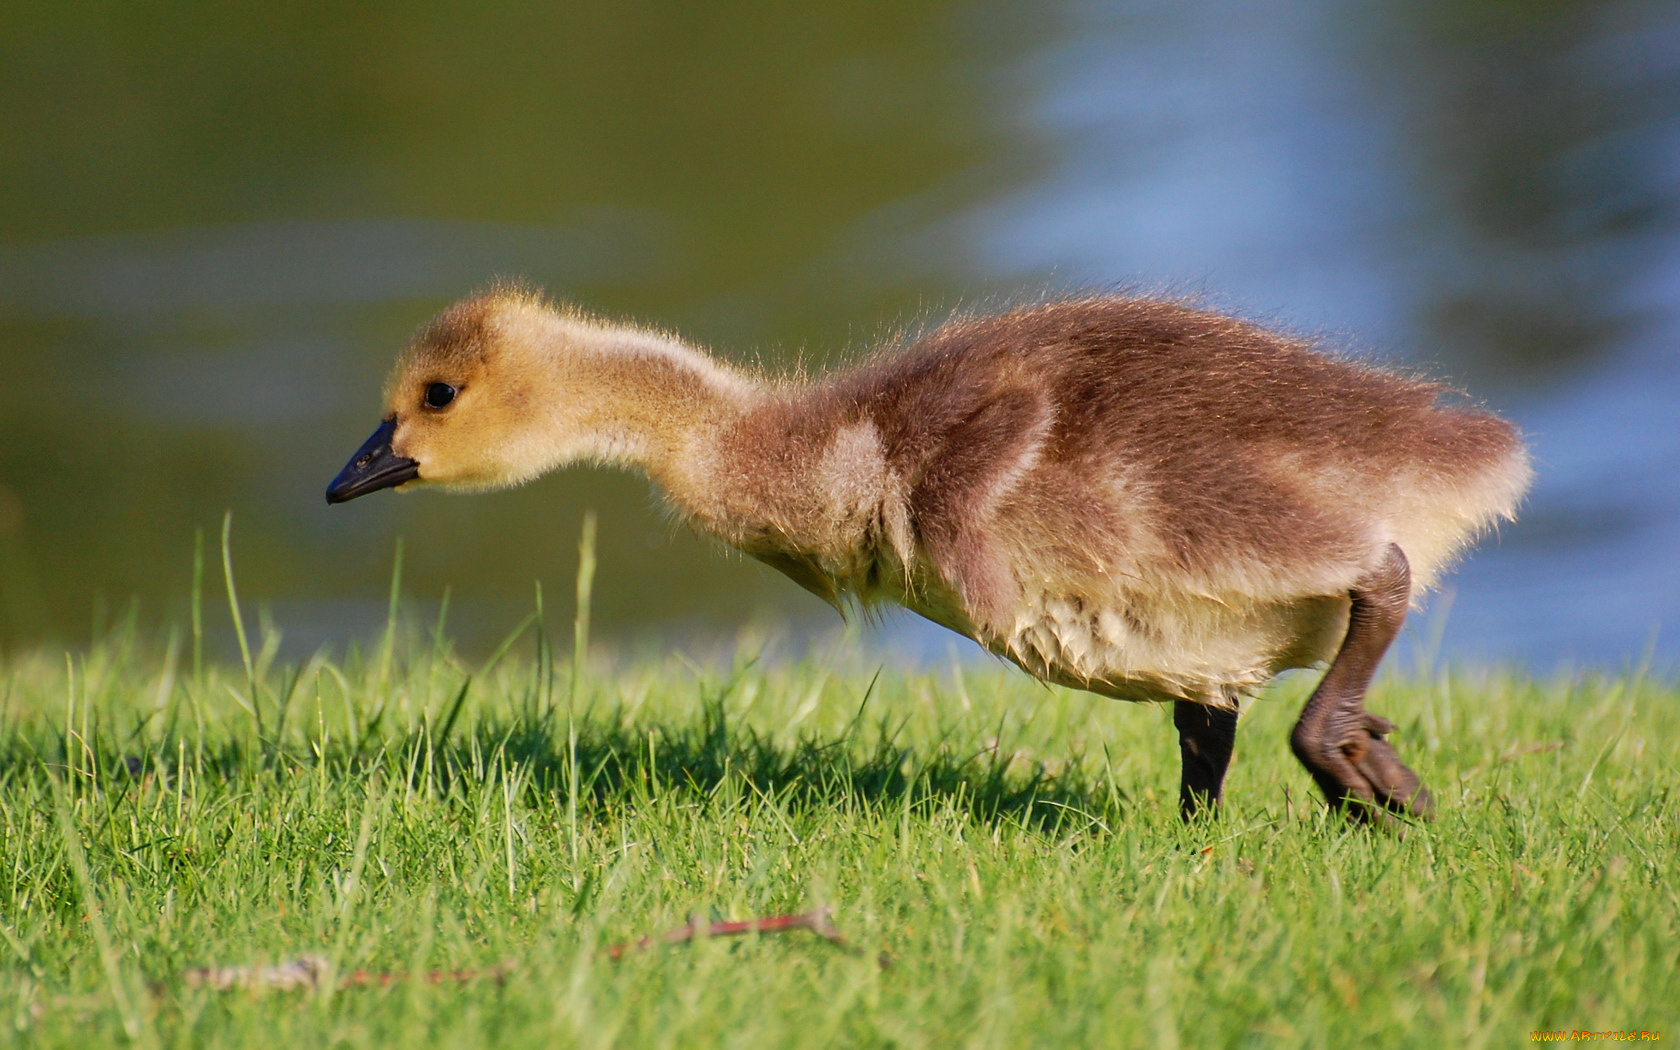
(439, 394)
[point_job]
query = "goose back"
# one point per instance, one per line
(1130, 495)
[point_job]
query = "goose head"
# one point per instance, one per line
(460, 402)
(503, 386)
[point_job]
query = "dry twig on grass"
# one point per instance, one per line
(818, 922)
(309, 971)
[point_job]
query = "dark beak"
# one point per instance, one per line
(373, 467)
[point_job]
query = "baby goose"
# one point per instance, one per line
(1124, 495)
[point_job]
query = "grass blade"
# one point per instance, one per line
(239, 620)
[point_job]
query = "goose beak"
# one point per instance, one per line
(373, 467)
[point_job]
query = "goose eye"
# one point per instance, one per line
(439, 395)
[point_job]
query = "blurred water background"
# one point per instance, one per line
(218, 223)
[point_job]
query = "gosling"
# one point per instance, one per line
(1130, 496)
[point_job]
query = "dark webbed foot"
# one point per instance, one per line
(1360, 773)
(1341, 744)
(1395, 786)
(1205, 738)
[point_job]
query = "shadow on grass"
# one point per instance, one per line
(811, 773)
(611, 762)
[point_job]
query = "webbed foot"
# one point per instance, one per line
(1342, 744)
(1361, 775)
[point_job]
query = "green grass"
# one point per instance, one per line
(1014, 851)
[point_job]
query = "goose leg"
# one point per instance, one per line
(1205, 737)
(1341, 743)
